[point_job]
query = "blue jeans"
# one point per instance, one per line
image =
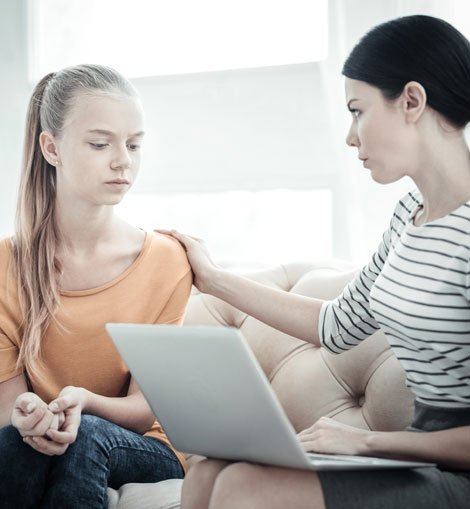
(103, 455)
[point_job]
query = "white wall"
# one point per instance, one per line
(14, 91)
(267, 127)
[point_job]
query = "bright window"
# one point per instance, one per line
(157, 37)
(244, 229)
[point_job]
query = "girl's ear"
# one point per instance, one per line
(49, 148)
(414, 100)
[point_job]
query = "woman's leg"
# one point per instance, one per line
(249, 486)
(103, 454)
(199, 483)
(23, 471)
(214, 484)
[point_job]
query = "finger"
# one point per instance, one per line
(310, 446)
(61, 420)
(306, 438)
(45, 446)
(25, 423)
(62, 403)
(42, 425)
(163, 231)
(62, 437)
(28, 402)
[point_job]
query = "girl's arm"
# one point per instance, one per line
(9, 391)
(449, 448)
(131, 412)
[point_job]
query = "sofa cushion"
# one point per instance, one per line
(160, 495)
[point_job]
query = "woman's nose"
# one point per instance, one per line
(351, 138)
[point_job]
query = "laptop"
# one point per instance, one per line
(212, 398)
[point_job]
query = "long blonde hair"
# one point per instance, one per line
(37, 236)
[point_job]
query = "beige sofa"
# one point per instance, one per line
(364, 387)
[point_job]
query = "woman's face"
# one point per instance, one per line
(99, 148)
(379, 131)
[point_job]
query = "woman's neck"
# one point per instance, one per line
(443, 178)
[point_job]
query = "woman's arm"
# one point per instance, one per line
(296, 315)
(449, 448)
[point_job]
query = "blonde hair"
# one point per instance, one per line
(37, 236)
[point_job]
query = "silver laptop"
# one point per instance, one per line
(208, 391)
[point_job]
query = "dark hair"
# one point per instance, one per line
(417, 48)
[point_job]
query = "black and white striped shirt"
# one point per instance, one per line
(417, 289)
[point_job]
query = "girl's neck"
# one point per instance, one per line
(83, 227)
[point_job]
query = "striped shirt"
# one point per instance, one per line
(417, 289)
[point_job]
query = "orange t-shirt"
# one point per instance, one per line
(154, 289)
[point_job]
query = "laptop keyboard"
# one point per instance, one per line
(342, 457)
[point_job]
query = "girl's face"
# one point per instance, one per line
(379, 131)
(99, 148)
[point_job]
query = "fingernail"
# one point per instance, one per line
(54, 407)
(30, 407)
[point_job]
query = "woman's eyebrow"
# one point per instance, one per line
(350, 101)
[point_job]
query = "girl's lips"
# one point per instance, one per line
(118, 181)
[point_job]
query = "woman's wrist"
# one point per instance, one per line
(371, 444)
(214, 281)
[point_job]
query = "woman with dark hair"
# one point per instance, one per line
(408, 91)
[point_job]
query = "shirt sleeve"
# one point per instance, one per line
(173, 312)
(345, 321)
(8, 358)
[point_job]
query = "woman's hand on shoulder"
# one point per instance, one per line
(332, 437)
(202, 265)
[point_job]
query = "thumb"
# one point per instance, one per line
(61, 404)
(27, 402)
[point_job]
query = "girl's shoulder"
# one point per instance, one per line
(166, 247)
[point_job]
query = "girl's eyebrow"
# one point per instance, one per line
(350, 101)
(109, 133)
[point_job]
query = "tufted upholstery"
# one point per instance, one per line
(364, 387)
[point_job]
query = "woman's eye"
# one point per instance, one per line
(99, 146)
(355, 113)
(133, 147)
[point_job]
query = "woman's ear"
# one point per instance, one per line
(49, 148)
(414, 101)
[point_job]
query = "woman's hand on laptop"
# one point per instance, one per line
(328, 436)
(198, 255)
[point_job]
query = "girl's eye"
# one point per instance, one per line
(133, 147)
(99, 146)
